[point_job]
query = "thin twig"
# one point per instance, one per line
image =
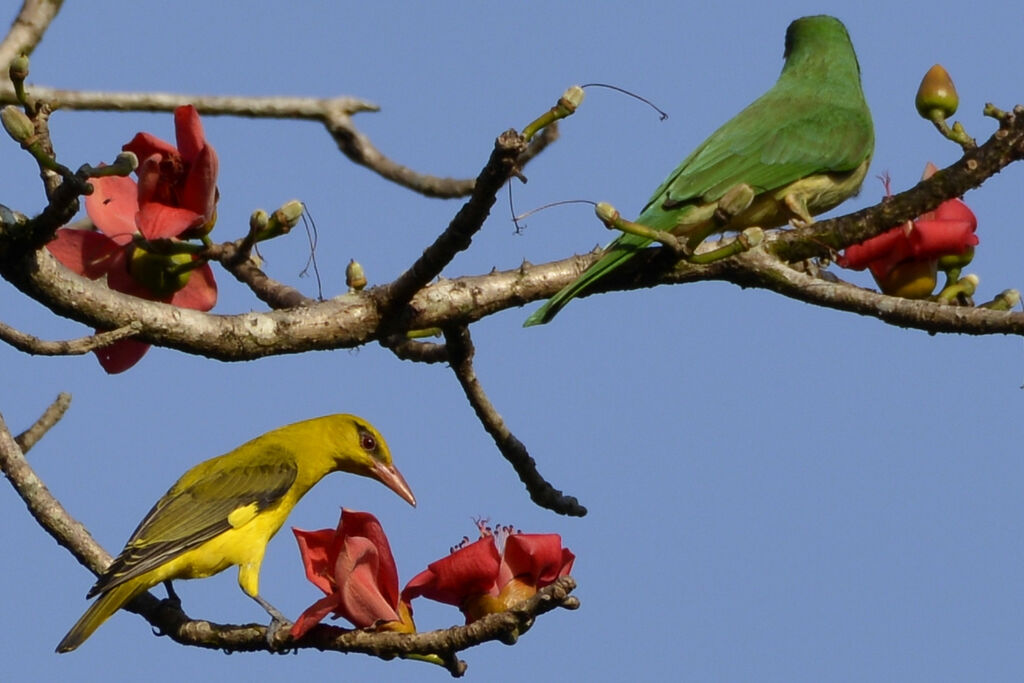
(236, 261)
(46, 509)
(71, 347)
(460, 352)
(418, 351)
(30, 437)
(335, 113)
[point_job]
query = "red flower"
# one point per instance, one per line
(177, 185)
(175, 195)
(904, 260)
(354, 568)
(479, 580)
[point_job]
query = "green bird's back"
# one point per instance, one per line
(803, 147)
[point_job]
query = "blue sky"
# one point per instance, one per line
(777, 492)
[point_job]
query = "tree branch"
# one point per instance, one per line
(459, 233)
(460, 352)
(1004, 147)
(26, 31)
(30, 437)
(334, 113)
(72, 347)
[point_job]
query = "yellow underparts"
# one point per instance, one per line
(796, 203)
(243, 545)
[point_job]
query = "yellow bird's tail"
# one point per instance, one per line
(98, 612)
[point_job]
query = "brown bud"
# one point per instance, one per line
(936, 97)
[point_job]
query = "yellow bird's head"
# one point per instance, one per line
(362, 450)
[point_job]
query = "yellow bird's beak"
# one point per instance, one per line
(393, 479)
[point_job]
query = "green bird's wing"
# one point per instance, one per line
(193, 512)
(777, 140)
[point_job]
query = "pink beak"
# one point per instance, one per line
(393, 479)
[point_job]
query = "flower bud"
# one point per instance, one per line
(936, 97)
(1004, 301)
(284, 219)
(17, 124)
(355, 277)
(18, 70)
(258, 220)
(572, 98)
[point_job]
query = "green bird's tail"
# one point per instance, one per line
(619, 252)
(98, 612)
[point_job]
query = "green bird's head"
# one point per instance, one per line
(819, 43)
(360, 449)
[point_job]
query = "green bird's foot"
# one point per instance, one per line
(748, 239)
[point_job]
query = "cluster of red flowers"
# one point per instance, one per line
(176, 198)
(355, 569)
(904, 260)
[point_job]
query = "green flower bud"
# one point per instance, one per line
(286, 218)
(17, 124)
(1004, 301)
(572, 98)
(258, 220)
(18, 70)
(936, 97)
(355, 277)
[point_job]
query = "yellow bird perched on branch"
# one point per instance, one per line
(224, 511)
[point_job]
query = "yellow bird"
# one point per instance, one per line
(224, 511)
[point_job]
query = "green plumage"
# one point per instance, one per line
(803, 147)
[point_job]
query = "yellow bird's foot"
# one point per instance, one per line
(279, 630)
(172, 596)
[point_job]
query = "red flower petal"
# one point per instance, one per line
(467, 572)
(537, 559)
(200, 292)
(365, 525)
(199, 192)
(85, 252)
(112, 207)
(315, 548)
(188, 130)
(157, 220)
(360, 596)
(314, 614)
(934, 238)
(145, 145)
(121, 355)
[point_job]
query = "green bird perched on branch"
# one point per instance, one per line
(800, 149)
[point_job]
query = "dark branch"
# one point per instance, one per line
(30, 437)
(459, 233)
(460, 353)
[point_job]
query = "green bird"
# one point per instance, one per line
(800, 149)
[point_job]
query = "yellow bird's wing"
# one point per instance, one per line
(194, 511)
